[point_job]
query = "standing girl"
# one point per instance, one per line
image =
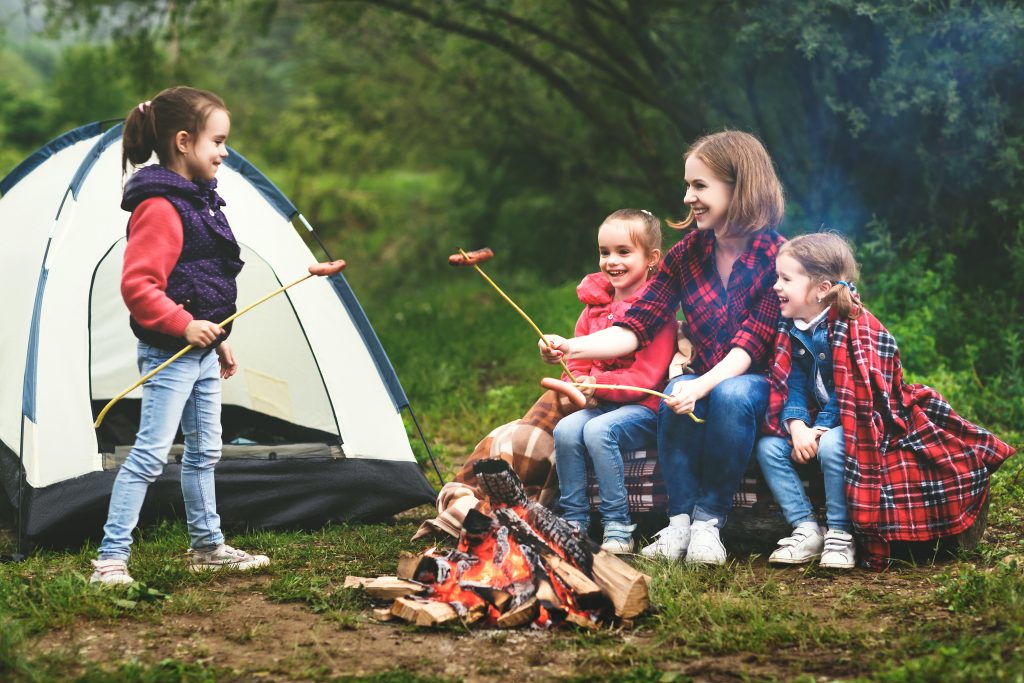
(899, 464)
(180, 266)
(629, 247)
(722, 274)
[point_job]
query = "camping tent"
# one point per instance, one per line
(313, 428)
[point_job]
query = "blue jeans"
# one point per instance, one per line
(187, 391)
(774, 454)
(601, 433)
(703, 464)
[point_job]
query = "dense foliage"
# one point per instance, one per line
(403, 128)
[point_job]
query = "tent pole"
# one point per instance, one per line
(430, 454)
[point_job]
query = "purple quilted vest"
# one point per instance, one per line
(203, 279)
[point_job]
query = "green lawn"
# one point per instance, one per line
(960, 619)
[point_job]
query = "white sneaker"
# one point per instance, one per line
(705, 545)
(800, 547)
(617, 546)
(672, 541)
(110, 572)
(225, 557)
(840, 551)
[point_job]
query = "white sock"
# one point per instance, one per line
(682, 520)
(810, 525)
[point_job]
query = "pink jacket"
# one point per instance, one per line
(647, 368)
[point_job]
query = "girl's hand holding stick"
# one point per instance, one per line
(575, 391)
(203, 333)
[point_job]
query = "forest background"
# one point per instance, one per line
(403, 129)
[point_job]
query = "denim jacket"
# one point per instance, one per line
(811, 378)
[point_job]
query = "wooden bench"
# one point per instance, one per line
(755, 519)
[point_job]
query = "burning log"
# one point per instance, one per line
(522, 614)
(520, 565)
(506, 494)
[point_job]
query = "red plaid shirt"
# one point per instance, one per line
(743, 316)
(915, 470)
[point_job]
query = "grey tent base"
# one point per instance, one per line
(299, 493)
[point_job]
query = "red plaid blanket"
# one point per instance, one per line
(915, 470)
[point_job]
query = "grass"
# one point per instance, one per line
(468, 364)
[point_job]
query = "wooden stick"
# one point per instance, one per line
(626, 387)
(320, 269)
(520, 311)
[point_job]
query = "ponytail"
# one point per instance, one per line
(843, 297)
(151, 127)
(139, 139)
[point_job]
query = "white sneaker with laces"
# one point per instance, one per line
(672, 541)
(840, 551)
(225, 557)
(110, 572)
(705, 545)
(800, 547)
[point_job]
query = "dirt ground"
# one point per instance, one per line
(263, 640)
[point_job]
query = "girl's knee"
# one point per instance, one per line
(771, 449)
(830, 445)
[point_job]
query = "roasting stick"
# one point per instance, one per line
(471, 259)
(319, 269)
(570, 390)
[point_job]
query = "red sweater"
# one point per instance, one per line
(155, 238)
(646, 368)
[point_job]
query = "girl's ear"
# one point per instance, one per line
(822, 289)
(654, 257)
(182, 140)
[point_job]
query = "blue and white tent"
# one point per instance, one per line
(313, 426)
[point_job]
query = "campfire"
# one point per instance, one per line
(516, 563)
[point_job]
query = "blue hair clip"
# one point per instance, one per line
(849, 286)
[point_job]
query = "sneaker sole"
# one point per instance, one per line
(834, 565)
(111, 582)
(198, 568)
(618, 551)
(775, 560)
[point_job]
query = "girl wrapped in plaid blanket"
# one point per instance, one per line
(899, 463)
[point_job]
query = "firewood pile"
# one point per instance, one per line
(516, 563)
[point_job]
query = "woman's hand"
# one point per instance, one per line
(228, 366)
(552, 348)
(805, 441)
(685, 396)
(202, 333)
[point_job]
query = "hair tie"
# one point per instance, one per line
(647, 212)
(849, 286)
(143, 106)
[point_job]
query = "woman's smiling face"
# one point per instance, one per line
(707, 195)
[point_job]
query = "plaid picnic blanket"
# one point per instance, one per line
(915, 470)
(526, 444)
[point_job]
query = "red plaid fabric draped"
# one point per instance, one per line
(915, 470)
